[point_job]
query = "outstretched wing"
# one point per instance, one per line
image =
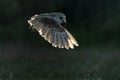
(51, 31)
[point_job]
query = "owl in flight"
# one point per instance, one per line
(51, 26)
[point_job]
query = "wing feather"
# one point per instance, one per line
(72, 39)
(55, 40)
(46, 34)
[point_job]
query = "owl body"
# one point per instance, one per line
(51, 27)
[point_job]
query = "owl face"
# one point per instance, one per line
(60, 18)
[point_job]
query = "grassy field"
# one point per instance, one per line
(25, 61)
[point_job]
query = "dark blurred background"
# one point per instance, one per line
(25, 55)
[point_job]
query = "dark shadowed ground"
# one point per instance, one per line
(25, 61)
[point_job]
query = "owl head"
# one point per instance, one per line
(60, 18)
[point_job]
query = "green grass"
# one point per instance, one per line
(25, 61)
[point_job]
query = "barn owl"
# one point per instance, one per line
(51, 26)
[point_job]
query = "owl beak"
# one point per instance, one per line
(63, 24)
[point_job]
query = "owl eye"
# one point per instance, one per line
(60, 17)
